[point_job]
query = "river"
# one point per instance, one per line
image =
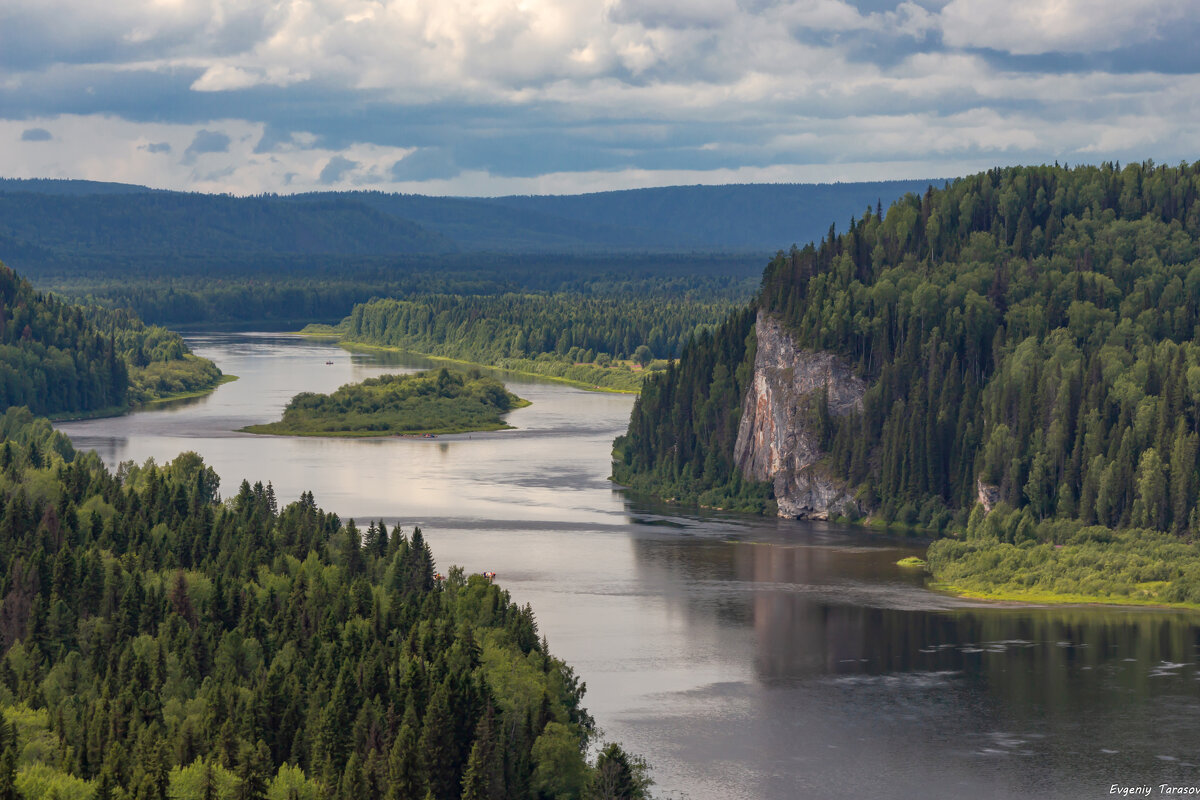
(743, 657)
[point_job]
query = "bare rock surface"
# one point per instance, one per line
(777, 439)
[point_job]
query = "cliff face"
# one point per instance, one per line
(776, 437)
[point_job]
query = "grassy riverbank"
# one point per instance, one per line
(1006, 555)
(623, 377)
(188, 394)
(433, 402)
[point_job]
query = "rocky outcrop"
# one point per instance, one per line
(987, 495)
(777, 438)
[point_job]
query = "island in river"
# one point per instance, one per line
(431, 402)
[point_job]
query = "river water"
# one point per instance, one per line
(744, 657)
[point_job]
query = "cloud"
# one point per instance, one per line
(334, 169)
(1025, 27)
(206, 141)
(475, 95)
(35, 135)
(425, 164)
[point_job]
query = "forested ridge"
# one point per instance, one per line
(52, 357)
(156, 641)
(1030, 329)
(57, 357)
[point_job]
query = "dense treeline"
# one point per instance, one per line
(58, 358)
(524, 325)
(53, 358)
(438, 401)
(296, 291)
(1033, 329)
(567, 335)
(158, 642)
(684, 423)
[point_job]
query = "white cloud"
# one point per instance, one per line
(726, 85)
(1028, 27)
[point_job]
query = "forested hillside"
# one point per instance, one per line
(567, 335)
(77, 218)
(177, 223)
(53, 358)
(158, 642)
(1028, 329)
(58, 358)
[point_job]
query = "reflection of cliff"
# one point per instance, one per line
(800, 602)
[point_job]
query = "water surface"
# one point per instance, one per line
(744, 657)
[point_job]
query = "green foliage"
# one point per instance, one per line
(58, 358)
(563, 335)
(1031, 329)
(52, 357)
(560, 771)
(1008, 554)
(684, 424)
(618, 776)
(181, 646)
(438, 401)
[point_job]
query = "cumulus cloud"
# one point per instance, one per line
(472, 96)
(425, 164)
(334, 169)
(1075, 26)
(206, 141)
(35, 135)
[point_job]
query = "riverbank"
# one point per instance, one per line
(1047, 598)
(354, 346)
(188, 394)
(120, 411)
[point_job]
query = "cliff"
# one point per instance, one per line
(777, 437)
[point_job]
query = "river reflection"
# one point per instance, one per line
(746, 658)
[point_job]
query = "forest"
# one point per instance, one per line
(158, 641)
(1030, 330)
(285, 292)
(55, 221)
(58, 358)
(589, 340)
(428, 402)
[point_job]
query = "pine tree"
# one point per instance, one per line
(437, 747)
(404, 766)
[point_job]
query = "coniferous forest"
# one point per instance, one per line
(1028, 330)
(61, 358)
(561, 334)
(160, 642)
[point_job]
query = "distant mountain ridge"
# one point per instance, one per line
(44, 217)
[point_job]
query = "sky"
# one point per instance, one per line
(492, 97)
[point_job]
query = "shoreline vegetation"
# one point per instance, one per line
(609, 343)
(68, 361)
(253, 648)
(120, 411)
(464, 363)
(429, 403)
(329, 332)
(1027, 339)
